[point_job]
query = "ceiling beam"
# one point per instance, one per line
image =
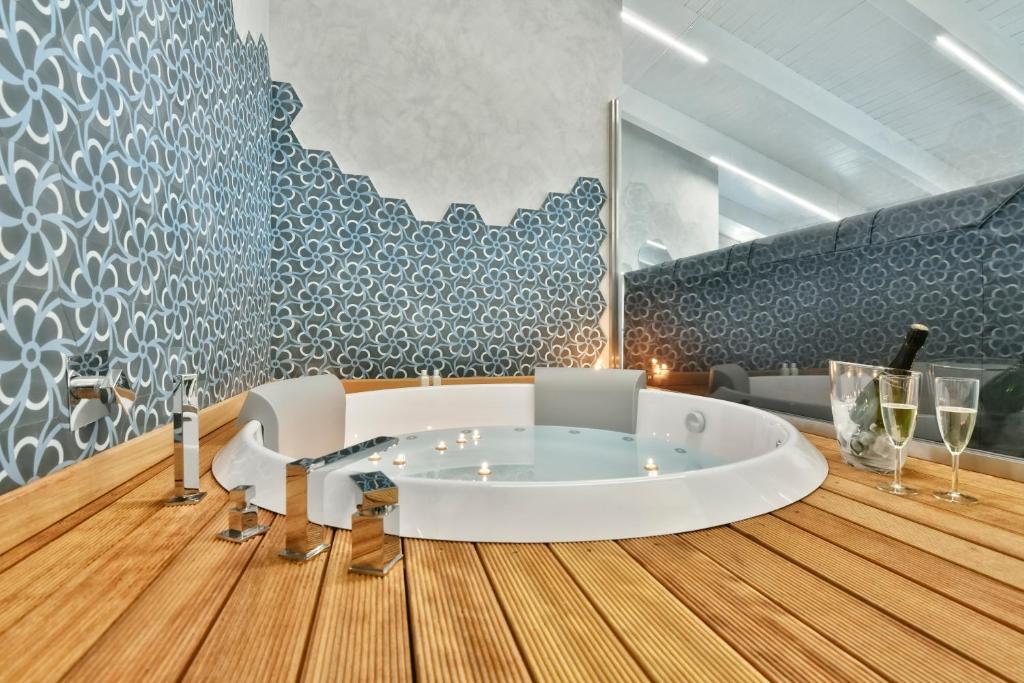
(928, 19)
(705, 141)
(898, 154)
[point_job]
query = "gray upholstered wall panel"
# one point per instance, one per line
(955, 262)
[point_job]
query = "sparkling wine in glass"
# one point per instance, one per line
(898, 393)
(956, 409)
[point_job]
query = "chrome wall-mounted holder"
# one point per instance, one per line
(95, 391)
(304, 540)
(243, 522)
(186, 441)
(374, 550)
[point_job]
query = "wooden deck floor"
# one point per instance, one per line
(849, 584)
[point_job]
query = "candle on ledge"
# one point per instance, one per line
(484, 470)
(441, 446)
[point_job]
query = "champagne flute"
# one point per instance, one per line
(956, 409)
(898, 394)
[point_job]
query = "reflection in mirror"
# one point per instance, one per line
(819, 192)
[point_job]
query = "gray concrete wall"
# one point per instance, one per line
(489, 102)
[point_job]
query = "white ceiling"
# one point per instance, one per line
(847, 103)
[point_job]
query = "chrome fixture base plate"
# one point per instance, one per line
(302, 557)
(242, 536)
(356, 569)
(187, 499)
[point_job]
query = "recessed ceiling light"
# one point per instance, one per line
(641, 24)
(800, 201)
(981, 68)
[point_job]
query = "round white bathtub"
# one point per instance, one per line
(546, 484)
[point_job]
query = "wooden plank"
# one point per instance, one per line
(669, 641)
(983, 560)
(781, 646)
(355, 386)
(953, 523)
(83, 514)
(1004, 493)
(949, 622)
(38, 577)
(975, 590)
(993, 508)
(458, 628)
(361, 632)
(184, 601)
(561, 635)
(262, 630)
(28, 510)
(85, 606)
(887, 645)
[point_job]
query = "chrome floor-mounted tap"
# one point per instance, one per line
(186, 442)
(304, 539)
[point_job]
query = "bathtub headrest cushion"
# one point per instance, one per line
(302, 417)
(730, 376)
(582, 397)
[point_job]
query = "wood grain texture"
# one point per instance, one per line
(778, 644)
(82, 608)
(184, 601)
(844, 586)
(1009, 570)
(355, 386)
(669, 641)
(361, 631)
(945, 620)
(1003, 492)
(65, 560)
(30, 509)
(459, 630)
(888, 645)
(537, 594)
(262, 631)
(972, 589)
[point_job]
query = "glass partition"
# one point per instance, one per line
(799, 184)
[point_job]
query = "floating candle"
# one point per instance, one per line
(399, 460)
(441, 446)
(651, 466)
(461, 438)
(484, 470)
(476, 435)
(373, 457)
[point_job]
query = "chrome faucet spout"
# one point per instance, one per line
(304, 539)
(186, 441)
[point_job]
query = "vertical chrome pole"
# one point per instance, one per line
(185, 415)
(614, 290)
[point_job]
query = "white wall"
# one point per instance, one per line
(669, 195)
(252, 16)
(492, 102)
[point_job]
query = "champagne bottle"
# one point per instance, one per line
(867, 409)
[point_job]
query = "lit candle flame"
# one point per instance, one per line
(399, 460)
(484, 469)
(651, 466)
(441, 446)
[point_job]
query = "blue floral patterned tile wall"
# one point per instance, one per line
(844, 291)
(362, 288)
(134, 212)
(155, 205)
